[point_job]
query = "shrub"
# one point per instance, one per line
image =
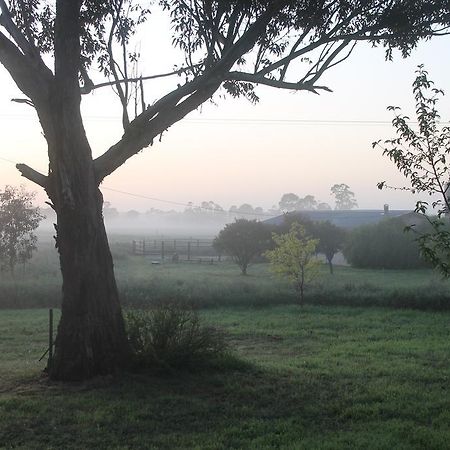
(385, 245)
(170, 336)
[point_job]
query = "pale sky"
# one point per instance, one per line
(234, 152)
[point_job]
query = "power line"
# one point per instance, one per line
(249, 121)
(188, 205)
(8, 160)
(171, 202)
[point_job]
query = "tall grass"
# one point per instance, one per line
(204, 285)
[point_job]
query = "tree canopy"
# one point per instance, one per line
(243, 240)
(18, 221)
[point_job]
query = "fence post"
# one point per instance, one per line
(174, 245)
(189, 251)
(162, 250)
(50, 336)
(134, 247)
(143, 247)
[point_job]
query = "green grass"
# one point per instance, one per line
(205, 285)
(311, 378)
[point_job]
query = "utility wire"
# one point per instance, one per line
(172, 202)
(250, 121)
(188, 205)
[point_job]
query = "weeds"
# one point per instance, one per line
(170, 335)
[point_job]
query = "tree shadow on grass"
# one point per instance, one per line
(235, 405)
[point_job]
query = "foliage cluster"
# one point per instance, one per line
(294, 257)
(169, 335)
(331, 238)
(344, 197)
(18, 221)
(243, 240)
(384, 245)
(422, 156)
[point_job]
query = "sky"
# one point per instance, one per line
(232, 152)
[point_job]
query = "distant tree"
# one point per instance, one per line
(294, 257)
(246, 209)
(322, 206)
(18, 220)
(243, 240)
(215, 208)
(422, 156)
(382, 246)
(344, 197)
(308, 203)
(132, 214)
(289, 202)
(109, 212)
(259, 210)
(331, 240)
(295, 217)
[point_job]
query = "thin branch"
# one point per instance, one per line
(252, 78)
(113, 67)
(138, 79)
(27, 101)
(33, 175)
(329, 61)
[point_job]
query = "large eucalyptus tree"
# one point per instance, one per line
(49, 48)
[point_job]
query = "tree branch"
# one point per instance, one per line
(33, 175)
(6, 22)
(170, 109)
(26, 101)
(32, 78)
(138, 79)
(257, 79)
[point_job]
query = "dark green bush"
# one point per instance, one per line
(170, 335)
(385, 245)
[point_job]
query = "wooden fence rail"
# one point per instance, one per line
(192, 250)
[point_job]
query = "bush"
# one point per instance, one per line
(170, 336)
(385, 245)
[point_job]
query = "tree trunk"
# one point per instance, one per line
(330, 265)
(91, 336)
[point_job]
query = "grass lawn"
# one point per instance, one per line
(141, 283)
(321, 377)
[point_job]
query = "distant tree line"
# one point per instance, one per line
(344, 200)
(210, 211)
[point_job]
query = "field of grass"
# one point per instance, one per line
(312, 378)
(141, 283)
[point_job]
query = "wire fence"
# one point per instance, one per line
(177, 250)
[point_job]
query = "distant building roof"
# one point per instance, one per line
(344, 219)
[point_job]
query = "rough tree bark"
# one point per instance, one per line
(91, 337)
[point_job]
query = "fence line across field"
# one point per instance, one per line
(190, 250)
